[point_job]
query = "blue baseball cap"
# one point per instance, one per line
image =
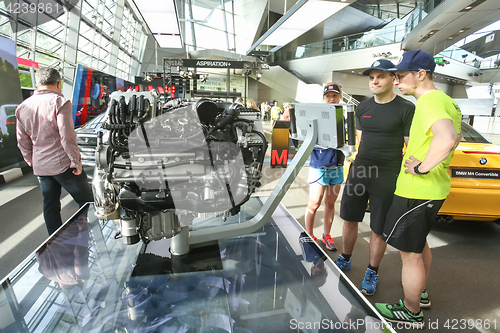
(416, 60)
(382, 64)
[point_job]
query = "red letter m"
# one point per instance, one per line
(279, 160)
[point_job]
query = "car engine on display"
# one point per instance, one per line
(161, 165)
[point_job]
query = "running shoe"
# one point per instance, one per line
(370, 282)
(315, 239)
(343, 264)
(329, 242)
(398, 313)
(425, 301)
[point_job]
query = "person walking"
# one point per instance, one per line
(275, 112)
(382, 126)
(326, 175)
(47, 140)
(423, 183)
(251, 104)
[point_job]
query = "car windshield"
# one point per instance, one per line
(95, 123)
(471, 135)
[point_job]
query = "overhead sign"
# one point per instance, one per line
(202, 63)
(438, 60)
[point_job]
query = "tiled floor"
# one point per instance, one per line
(464, 253)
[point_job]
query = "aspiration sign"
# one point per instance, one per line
(201, 63)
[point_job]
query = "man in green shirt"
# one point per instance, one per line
(423, 182)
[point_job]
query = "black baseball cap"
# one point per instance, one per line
(416, 60)
(381, 64)
(331, 87)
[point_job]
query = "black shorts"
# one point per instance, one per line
(409, 222)
(368, 183)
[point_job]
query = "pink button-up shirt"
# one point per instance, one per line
(46, 134)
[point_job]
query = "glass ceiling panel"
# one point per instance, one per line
(101, 65)
(83, 59)
(49, 25)
(208, 38)
(84, 45)
(25, 36)
(109, 15)
(87, 9)
(23, 52)
(46, 43)
(211, 23)
(86, 30)
(93, 3)
(100, 8)
(96, 51)
(45, 60)
(5, 28)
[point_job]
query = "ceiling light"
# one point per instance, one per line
(171, 41)
(161, 19)
(302, 17)
(472, 5)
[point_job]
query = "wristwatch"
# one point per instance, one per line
(417, 171)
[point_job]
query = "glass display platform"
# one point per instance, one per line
(85, 279)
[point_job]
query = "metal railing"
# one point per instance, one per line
(361, 40)
(469, 58)
(350, 42)
(349, 99)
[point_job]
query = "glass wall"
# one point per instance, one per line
(104, 34)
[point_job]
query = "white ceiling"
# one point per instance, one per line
(448, 21)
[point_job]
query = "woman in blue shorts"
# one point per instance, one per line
(326, 175)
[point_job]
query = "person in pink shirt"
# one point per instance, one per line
(47, 140)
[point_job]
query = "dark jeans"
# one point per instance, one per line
(77, 187)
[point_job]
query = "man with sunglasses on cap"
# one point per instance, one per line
(422, 185)
(326, 175)
(382, 126)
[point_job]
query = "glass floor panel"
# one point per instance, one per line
(85, 279)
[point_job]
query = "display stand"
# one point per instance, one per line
(279, 144)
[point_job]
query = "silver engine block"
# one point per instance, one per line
(160, 166)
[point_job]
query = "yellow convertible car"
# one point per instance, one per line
(475, 180)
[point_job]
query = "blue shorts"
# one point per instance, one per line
(326, 177)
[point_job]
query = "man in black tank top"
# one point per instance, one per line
(382, 126)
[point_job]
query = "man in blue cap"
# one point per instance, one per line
(382, 126)
(423, 183)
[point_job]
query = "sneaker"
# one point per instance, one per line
(398, 313)
(343, 264)
(315, 239)
(370, 282)
(329, 242)
(424, 300)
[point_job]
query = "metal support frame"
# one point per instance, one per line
(167, 70)
(259, 220)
